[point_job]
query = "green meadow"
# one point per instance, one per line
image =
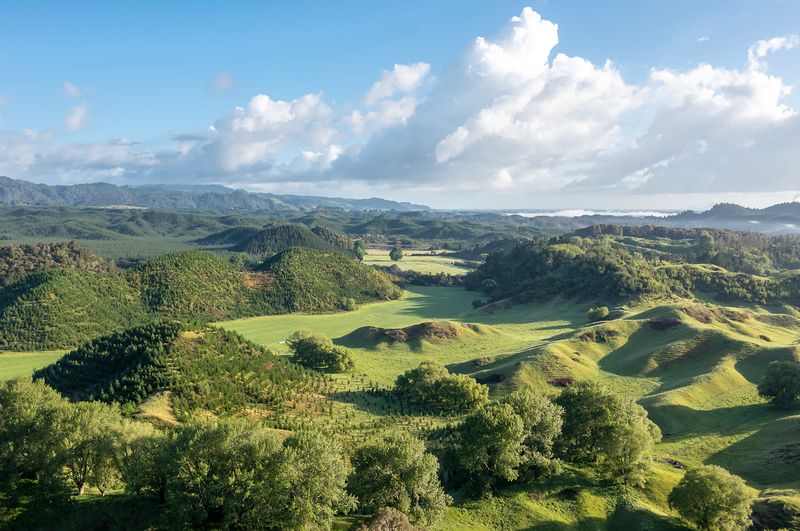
(417, 261)
(19, 364)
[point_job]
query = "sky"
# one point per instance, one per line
(492, 104)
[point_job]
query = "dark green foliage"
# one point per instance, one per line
(713, 499)
(190, 285)
(781, 383)
(315, 351)
(432, 385)
(65, 307)
(304, 280)
(18, 261)
(359, 250)
(396, 254)
(337, 239)
(279, 237)
(210, 369)
(397, 472)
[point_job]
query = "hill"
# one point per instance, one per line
(19, 192)
(18, 261)
(279, 237)
(190, 285)
(205, 369)
(64, 307)
(305, 280)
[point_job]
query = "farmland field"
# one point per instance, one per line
(18, 364)
(417, 261)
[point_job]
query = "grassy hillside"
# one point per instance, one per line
(304, 280)
(205, 369)
(417, 261)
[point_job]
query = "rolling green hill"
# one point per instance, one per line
(304, 280)
(17, 261)
(276, 238)
(205, 369)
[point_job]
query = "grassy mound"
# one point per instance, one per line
(65, 307)
(431, 331)
(276, 238)
(305, 280)
(206, 369)
(190, 285)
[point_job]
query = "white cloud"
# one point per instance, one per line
(401, 79)
(512, 116)
(222, 82)
(77, 117)
(3, 100)
(703, 38)
(761, 49)
(72, 91)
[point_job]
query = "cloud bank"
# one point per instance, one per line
(512, 116)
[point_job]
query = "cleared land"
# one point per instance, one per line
(17, 364)
(417, 261)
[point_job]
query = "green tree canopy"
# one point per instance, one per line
(541, 421)
(491, 444)
(397, 472)
(432, 385)
(713, 499)
(396, 254)
(781, 383)
(316, 351)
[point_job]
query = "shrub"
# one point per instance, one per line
(713, 499)
(396, 254)
(432, 385)
(597, 314)
(781, 383)
(315, 351)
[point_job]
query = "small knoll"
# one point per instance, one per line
(276, 238)
(306, 280)
(167, 370)
(433, 331)
(232, 236)
(708, 315)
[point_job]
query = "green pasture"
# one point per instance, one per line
(418, 261)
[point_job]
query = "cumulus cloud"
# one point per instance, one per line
(401, 79)
(77, 117)
(512, 115)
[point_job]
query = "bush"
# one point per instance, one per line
(396, 254)
(597, 314)
(315, 351)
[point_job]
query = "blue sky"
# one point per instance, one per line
(147, 72)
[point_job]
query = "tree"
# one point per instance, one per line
(541, 421)
(781, 383)
(713, 499)
(396, 254)
(602, 428)
(312, 476)
(87, 442)
(597, 314)
(32, 418)
(491, 444)
(359, 250)
(316, 351)
(397, 472)
(432, 385)
(705, 243)
(141, 457)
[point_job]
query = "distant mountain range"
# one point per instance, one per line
(181, 197)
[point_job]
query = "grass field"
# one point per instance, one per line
(17, 364)
(693, 365)
(417, 261)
